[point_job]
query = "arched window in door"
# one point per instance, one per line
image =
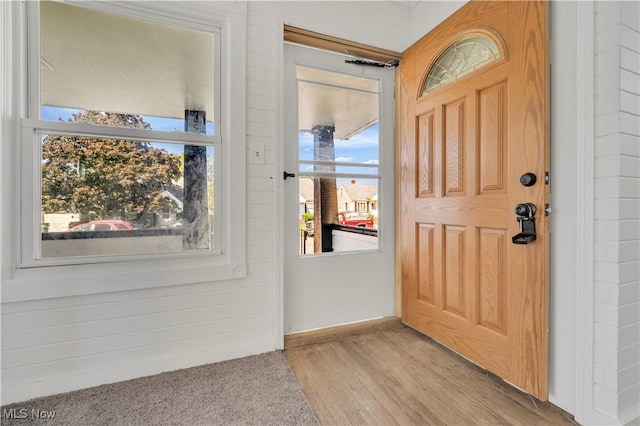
(462, 57)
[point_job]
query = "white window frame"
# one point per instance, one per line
(24, 277)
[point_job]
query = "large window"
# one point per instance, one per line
(123, 146)
(122, 139)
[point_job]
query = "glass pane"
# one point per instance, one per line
(127, 120)
(338, 124)
(109, 197)
(354, 224)
(462, 57)
(102, 62)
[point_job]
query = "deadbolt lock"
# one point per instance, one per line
(528, 179)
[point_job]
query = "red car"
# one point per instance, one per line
(102, 225)
(361, 222)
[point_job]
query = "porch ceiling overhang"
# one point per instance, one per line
(174, 72)
(140, 67)
(348, 103)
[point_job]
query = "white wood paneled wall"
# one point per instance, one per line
(617, 211)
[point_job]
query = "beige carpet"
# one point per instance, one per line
(257, 390)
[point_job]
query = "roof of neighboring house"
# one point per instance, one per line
(306, 189)
(174, 192)
(360, 191)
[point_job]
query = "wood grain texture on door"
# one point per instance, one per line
(463, 147)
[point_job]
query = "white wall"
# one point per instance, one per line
(426, 15)
(616, 391)
(376, 23)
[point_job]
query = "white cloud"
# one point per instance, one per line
(344, 159)
(372, 161)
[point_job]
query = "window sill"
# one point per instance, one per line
(77, 280)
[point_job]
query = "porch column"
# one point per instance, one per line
(195, 212)
(325, 197)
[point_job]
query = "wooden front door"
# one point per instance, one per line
(472, 126)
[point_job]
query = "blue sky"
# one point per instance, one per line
(362, 148)
(157, 123)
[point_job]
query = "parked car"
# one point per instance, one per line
(102, 225)
(344, 219)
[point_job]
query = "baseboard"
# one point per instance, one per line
(305, 338)
(595, 417)
(25, 391)
(631, 416)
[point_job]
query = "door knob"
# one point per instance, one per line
(286, 175)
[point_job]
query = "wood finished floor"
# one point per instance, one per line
(400, 377)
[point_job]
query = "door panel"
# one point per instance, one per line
(490, 280)
(455, 301)
(454, 147)
(463, 149)
(492, 131)
(426, 278)
(425, 143)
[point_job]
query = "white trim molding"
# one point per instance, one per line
(585, 89)
(279, 187)
(13, 54)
